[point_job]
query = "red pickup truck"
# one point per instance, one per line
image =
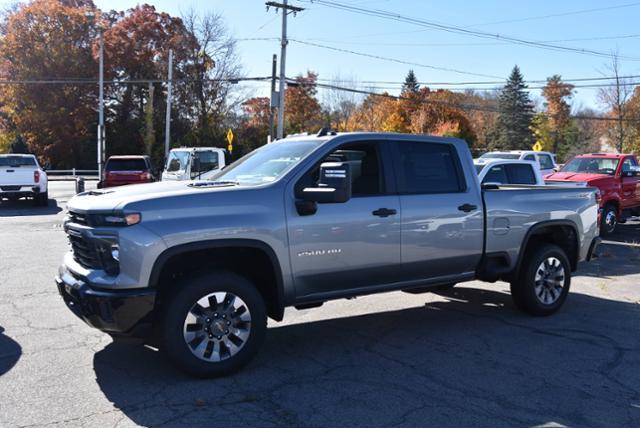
(617, 176)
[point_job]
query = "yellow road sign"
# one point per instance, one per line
(230, 140)
(537, 147)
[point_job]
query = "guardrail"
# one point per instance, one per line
(71, 174)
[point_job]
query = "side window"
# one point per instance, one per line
(208, 160)
(520, 174)
(545, 162)
(428, 168)
(530, 158)
(366, 169)
(496, 175)
(628, 164)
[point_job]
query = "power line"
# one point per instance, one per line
(93, 81)
(557, 15)
(399, 61)
(459, 30)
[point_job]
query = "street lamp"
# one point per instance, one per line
(101, 130)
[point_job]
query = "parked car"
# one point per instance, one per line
(196, 267)
(22, 177)
(617, 178)
(545, 160)
(129, 169)
(508, 171)
(195, 163)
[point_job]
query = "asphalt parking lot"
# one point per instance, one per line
(465, 357)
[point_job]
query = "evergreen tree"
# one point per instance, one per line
(512, 129)
(410, 83)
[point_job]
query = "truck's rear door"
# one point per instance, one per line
(17, 170)
(441, 206)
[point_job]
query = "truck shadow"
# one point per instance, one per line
(10, 352)
(618, 255)
(468, 359)
(24, 207)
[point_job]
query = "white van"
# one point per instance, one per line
(193, 163)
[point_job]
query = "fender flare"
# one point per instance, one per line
(170, 252)
(573, 258)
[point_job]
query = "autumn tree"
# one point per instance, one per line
(515, 113)
(51, 40)
(556, 94)
(303, 112)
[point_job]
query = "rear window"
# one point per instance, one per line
(17, 161)
(520, 174)
(126, 165)
(427, 168)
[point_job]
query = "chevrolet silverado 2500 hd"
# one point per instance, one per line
(196, 267)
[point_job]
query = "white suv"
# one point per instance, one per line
(546, 160)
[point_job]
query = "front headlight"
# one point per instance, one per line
(119, 219)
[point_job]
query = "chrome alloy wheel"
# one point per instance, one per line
(549, 280)
(610, 221)
(217, 326)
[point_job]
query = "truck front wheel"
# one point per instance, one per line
(543, 282)
(214, 325)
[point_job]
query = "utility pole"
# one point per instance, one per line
(167, 131)
(274, 101)
(286, 9)
(101, 130)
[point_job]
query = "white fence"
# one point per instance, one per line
(71, 174)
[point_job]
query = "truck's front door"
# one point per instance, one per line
(630, 183)
(352, 245)
(442, 220)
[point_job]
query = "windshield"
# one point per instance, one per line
(592, 166)
(494, 155)
(178, 160)
(126, 165)
(17, 161)
(268, 163)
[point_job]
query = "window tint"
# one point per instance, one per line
(208, 160)
(126, 165)
(520, 174)
(530, 158)
(427, 168)
(366, 172)
(17, 161)
(545, 162)
(496, 174)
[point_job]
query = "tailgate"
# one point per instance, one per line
(19, 175)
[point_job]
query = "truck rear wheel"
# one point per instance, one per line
(543, 282)
(214, 325)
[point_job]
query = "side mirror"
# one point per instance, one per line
(334, 185)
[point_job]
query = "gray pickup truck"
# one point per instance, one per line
(195, 268)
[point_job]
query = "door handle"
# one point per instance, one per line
(384, 212)
(468, 208)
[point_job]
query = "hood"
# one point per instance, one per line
(576, 176)
(115, 198)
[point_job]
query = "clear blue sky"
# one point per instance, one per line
(319, 24)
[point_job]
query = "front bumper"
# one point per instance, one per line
(127, 313)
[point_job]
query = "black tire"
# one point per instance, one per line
(609, 220)
(42, 199)
(179, 305)
(523, 289)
